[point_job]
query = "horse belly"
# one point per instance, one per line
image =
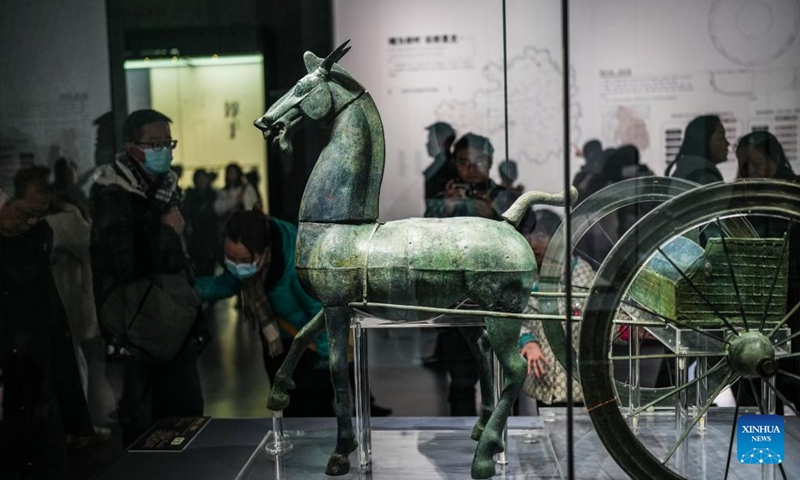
(440, 262)
(417, 262)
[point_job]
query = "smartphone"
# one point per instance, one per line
(463, 189)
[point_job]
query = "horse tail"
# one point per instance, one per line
(517, 211)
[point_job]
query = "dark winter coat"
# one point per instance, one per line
(40, 373)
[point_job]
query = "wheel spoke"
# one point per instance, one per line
(733, 429)
(783, 398)
(698, 292)
(788, 355)
(589, 258)
(677, 323)
(788, 339)
(605, 234)
(789, 375)
(775, 277)
(756, 395)
(665, 396)
(619, 333)
(784, 319)
(698, 416)
(733, 278)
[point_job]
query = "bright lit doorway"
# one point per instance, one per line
(212, 102)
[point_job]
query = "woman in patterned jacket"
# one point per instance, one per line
(547, 379)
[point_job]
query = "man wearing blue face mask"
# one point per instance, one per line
(136, 236)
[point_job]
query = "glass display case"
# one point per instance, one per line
(549, 239)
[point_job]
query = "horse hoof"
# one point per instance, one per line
(338, 464)
(477, 430)
(482, 468)
(283, 384)
(278, 401)
(491, 444)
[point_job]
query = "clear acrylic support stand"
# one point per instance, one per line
(363, 399)
(702, 393)
(634, 383)
(278, 443)
(769, 404)
(360, 323)
(682, 416)
(499, 382)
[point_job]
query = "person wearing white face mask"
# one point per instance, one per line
(259, 263)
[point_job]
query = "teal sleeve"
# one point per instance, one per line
(210, 289)
(525, 339)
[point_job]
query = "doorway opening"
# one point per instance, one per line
(212, 102)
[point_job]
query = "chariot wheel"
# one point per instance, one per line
(742, 327)
(587, 219)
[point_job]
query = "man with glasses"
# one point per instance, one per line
(40, 388)
(470, 194)
(22, 213)
(136, 235)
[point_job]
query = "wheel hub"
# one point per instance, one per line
(752, 355)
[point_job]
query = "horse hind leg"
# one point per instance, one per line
(337, 320)
(282, 383)
(504, 337)
(481, 348)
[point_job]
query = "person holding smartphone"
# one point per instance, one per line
(471, 192)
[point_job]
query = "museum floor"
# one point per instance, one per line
(409, 444)
(235, 384)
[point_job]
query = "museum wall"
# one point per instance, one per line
(60, 57)
(639, 72)
(281, 31)
(55, 81)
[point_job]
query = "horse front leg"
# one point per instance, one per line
(481, 348)
(503, 335)
(279, 396)
(337, 320)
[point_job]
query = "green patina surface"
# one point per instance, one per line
(344, 255)
(754, 262)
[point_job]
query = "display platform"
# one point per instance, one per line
(433, 447)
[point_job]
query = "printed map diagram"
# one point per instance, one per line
(627, 125)
(534, 108)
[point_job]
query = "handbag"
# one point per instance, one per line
(150, 317)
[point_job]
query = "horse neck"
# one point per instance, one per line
(345, 184)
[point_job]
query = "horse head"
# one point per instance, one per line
(319, 96)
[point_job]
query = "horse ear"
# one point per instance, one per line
(335, 56)
(312, 61)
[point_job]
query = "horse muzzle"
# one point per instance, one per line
(269, 128)
(280, 127)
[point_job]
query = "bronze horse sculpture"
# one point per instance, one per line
(344, 255)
